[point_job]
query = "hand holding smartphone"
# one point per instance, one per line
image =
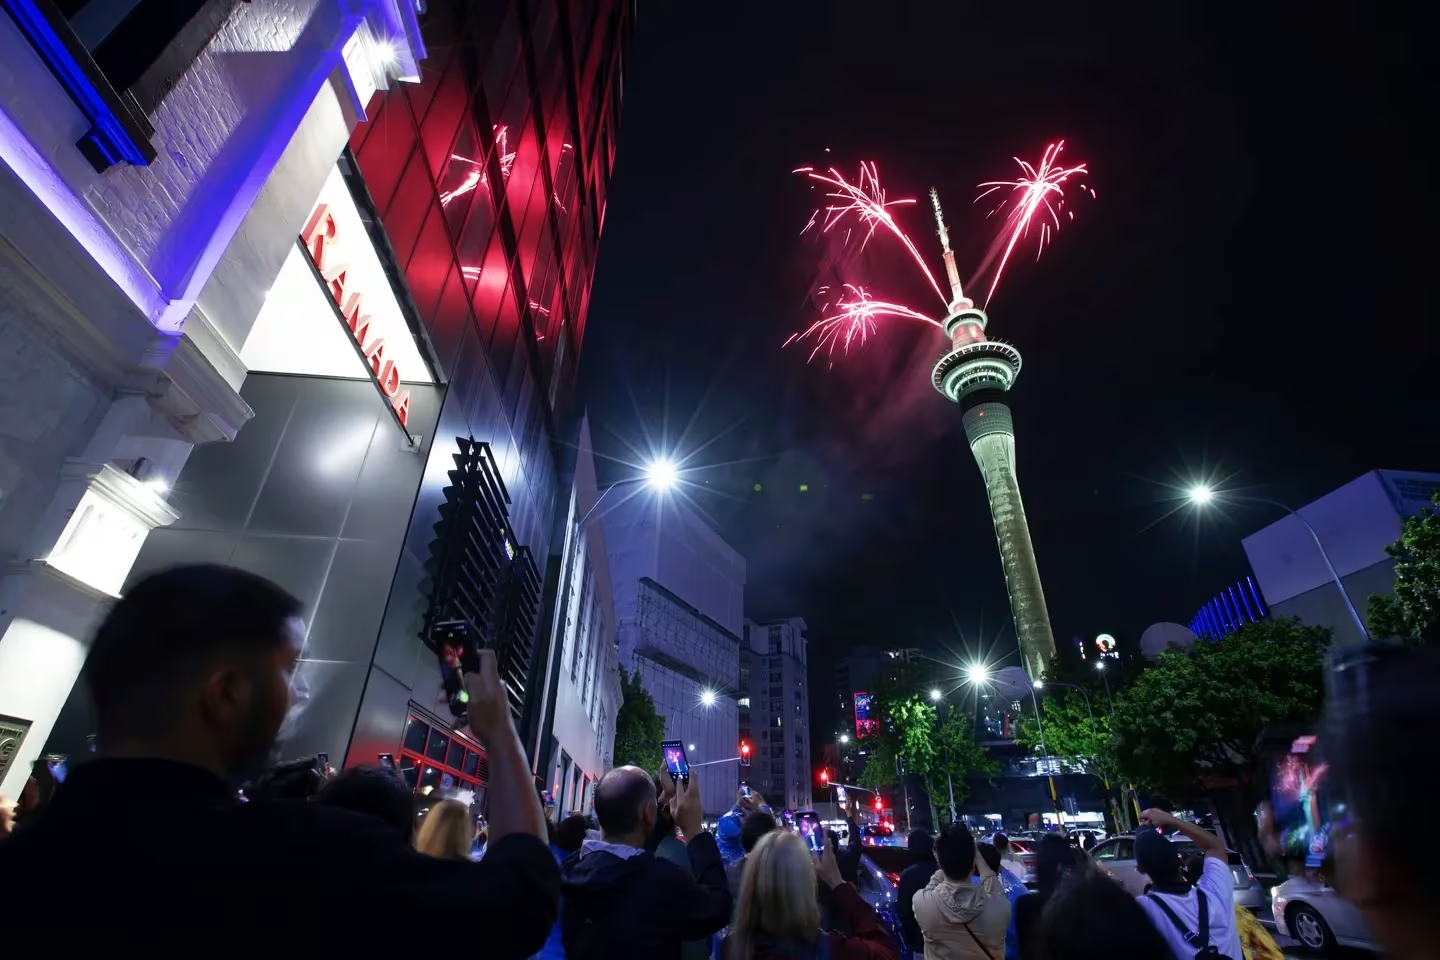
(459, 655)
(676, 763)
(811, 831)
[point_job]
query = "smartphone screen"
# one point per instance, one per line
(745, 790)
(675, 760)
(55, 763)
(1298, 801)
(459, 654)
(811, 831)
(323, 759)
(387, 761)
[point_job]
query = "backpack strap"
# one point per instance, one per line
(978, 942)
(1200, 939)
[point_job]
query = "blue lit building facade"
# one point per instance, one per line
(1229, 610)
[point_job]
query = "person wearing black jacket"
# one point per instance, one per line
(193, 676)
(912, 881)
(619, 900)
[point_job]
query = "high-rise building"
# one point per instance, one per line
(581, 693)
(679, 597)
(775, 720)
(371, 231)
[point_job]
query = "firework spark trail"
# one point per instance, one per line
(867, 202)
(1038, 190)
(853, 323)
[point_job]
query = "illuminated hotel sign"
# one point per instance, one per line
(333, 310)
(321, 239)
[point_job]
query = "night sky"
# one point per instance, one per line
(1242, 301)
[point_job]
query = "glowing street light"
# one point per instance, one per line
(692, 747)
(844, 738)
(661, 474)
(1200, 494)
(935, 695)
(1039, 684)
(978, 673)
(708, 698)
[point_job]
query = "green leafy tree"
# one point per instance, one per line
(1197, 713)
(1070, 731)
(1412, 613)
(880, 771)
(956, 757)
(638, 728)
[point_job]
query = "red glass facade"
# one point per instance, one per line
(490, 178)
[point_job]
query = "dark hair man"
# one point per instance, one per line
(957, 916)
(192, 676)
(371, 790)
(619, 899)
(1189, 918)
(922, 867)
(1371, 737)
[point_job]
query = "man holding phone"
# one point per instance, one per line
(620, 900)
(193, 673)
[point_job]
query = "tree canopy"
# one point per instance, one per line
(1198, 712)
(638, 728)
(937, 747)
(1412, 613)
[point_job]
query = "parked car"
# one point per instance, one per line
(1117, 857)
(879, 890)
(1317, 916)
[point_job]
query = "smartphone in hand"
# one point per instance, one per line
(811, 831)
(459, 655)
(675, 760)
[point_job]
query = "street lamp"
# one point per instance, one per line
(935, 695)
(708, 698)
(1202, 494)
(978, 673)
(844, 738)
(659, 475)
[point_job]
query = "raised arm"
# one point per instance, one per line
(1209, 844)
(514, 805)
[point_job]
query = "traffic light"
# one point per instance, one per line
(744, 753)
(824, 776)
(879, 803)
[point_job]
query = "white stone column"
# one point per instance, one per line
(83, 546)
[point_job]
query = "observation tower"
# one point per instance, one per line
(976, 374)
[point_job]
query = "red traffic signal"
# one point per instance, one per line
(824, 776)
(744, 753)
(879, 803)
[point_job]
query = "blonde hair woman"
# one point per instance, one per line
(446, 831)
(777, 914)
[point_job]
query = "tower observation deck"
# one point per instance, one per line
(976, 374)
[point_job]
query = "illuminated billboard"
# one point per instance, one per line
(864, 723)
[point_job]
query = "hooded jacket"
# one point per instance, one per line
(623, 902)
(946, 908)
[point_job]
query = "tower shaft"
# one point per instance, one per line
(989, 430)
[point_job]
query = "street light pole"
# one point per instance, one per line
(1202, 495)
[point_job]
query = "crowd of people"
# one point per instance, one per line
(183, 822)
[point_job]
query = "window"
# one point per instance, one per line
(779, 721)
(436, 763)
(743, 702)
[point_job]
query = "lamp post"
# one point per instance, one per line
(935, 697)
(1201, 495)
(1130, 787)
(659, 475)
(978, 673)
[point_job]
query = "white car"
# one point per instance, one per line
(1317, 916)
(1116, 857)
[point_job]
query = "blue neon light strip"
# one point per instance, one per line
(116, 135)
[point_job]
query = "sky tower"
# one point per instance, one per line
(976, 373)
